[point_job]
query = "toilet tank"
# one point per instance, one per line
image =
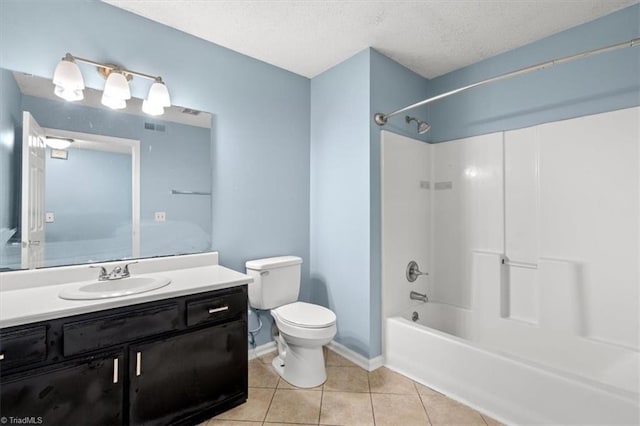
(276, 281)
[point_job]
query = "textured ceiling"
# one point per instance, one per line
(430, 37)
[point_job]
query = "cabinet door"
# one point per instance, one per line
(175, 377)
(90, 392)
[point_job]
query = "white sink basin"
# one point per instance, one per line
(114, 288)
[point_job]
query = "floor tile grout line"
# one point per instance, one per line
(321, 398)
(424, 407)
(373, 413)
(271, 401)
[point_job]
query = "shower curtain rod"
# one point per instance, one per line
(381, 119)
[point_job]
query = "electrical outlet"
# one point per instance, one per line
(49, 217)
(160, 216)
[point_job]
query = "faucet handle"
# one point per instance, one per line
(103, 272)
(413, 271)
(125, 271)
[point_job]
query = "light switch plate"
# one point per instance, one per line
(49, 217)
(160, 216)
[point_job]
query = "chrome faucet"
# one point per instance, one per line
(116, 274)
(414, 295)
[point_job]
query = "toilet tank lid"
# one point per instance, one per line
(272, 262)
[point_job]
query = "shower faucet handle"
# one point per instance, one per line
(413, 271)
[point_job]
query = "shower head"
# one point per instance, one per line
(423, 126)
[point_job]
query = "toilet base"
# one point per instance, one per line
(303, 367)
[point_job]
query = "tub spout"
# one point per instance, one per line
(414, 295)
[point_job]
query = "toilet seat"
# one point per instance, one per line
(305, 315)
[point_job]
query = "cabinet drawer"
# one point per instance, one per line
(216, 308)
(84, 336)
(23, 346)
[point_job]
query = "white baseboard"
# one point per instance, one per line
(356, 358)
(261, 350)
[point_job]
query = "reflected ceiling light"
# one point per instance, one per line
(113, 102)
(68, 79)
(69, 94)
(58, 143)
(471, 172)
(69, 85)
(152, 108)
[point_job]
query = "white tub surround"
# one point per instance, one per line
(533, 261)
(32, 295)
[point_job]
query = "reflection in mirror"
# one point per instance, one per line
(81, 183)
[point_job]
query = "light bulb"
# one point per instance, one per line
(68, 80)
(117, 86)
(159, 94)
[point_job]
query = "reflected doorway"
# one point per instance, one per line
(89, 205)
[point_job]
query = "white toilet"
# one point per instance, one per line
(303, 327)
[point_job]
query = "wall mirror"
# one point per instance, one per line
(81, 183)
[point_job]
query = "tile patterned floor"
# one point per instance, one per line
(351, 396)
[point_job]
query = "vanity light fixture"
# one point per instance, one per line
(58, 143)
(69, 85)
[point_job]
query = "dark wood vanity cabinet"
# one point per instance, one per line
(206, 367)
(174, 361)
(67, 394)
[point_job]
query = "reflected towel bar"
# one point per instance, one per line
(178, 192)
(517, 264)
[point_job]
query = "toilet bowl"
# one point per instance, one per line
(303, 328)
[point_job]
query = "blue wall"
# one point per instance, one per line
(10, 132)
(340, 198)
(90, 196)
(345, 187)
(261, 127)
(392, 87)
(89, 193)
(597, 84)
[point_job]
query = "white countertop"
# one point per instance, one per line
(23, 304)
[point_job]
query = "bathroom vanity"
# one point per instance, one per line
(176, 355)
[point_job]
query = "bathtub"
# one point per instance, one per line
(439, 350)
